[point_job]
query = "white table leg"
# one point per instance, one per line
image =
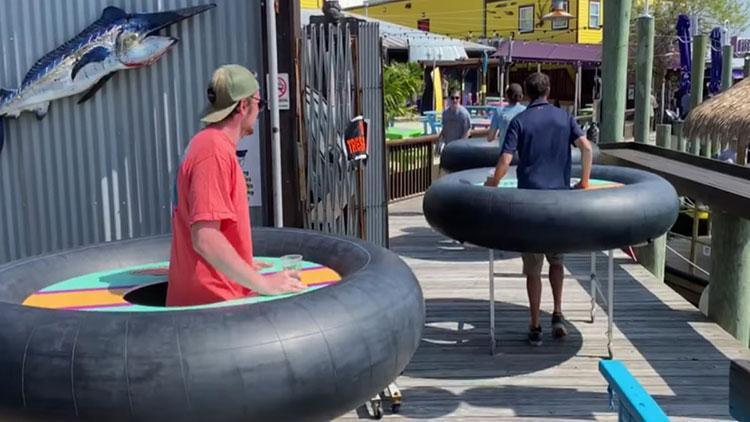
(611, 301)
(492, 302)
(593, 285)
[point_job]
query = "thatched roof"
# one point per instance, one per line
(725, 116)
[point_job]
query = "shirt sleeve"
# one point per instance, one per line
(510, 143)
(466, 120)
(575, 131)
(210, 191)
(496, 120)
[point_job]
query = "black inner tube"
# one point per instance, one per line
(553, 220)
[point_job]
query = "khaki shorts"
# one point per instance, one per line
(532, 262)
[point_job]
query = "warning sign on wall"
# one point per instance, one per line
(283, 94)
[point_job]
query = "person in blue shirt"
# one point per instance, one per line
(542, 136)
(504, 115)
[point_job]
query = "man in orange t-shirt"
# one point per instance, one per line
(212, 249)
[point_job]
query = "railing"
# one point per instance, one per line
(412, 166)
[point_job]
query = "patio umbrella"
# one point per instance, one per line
(714, 86)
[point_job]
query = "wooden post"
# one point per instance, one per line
(726, 70)
(707, 143)
(653, 256)
(663, 135)
(742, 152)
(614, 69)
(576, 102)
(700, 45)
(729, 297)
(695, 146)
(644, 64)
(681, 141)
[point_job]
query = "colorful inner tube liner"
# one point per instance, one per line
(84, 335)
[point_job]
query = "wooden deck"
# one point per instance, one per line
(680, 358)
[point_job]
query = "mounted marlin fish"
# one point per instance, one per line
(116, 41)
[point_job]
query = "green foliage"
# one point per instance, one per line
(454, 85)
(401, 82)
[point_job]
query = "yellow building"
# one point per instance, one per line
(471, 19)
(311, 4)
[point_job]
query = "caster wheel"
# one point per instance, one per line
(377, 411)
(374, 409)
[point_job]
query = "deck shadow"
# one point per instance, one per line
(425, 243)
(455, 342)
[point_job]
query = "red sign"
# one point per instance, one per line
(423, 25)
(355, 138)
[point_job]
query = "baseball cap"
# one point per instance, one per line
(229, 84)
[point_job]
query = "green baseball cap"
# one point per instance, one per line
(229, 84)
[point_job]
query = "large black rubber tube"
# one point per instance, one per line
(309, 357)
(465, 154)
(553, 220)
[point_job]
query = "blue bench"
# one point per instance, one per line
(633, 402)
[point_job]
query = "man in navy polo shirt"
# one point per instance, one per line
(542, 136)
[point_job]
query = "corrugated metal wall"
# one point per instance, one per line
(371, 83)
(103, 170)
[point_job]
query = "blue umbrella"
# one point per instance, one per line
(683, 36)
(715, 85)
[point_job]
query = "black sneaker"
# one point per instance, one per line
(558, 326)
(535, 336)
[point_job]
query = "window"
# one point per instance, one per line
(594, 14)
(526, 19)
(561, 23)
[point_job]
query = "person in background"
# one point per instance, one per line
(212, 249)
(504, 115)
(542, 136)
(456, 122)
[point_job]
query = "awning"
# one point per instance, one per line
(425, 50)
(421, 45)
(544, 52)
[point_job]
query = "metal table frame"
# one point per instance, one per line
(596, 289)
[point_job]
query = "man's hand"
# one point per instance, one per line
(491, 182)
(260, 265)
(279, 283)
(581, 185)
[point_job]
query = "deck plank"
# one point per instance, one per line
(679, 357)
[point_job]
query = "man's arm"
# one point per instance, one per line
(492, 134)
(501, 169)
(213, 246)
(587, 158)
(467, 125)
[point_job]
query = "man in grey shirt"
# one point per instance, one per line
(456, 122)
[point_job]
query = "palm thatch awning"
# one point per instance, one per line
(725, 117)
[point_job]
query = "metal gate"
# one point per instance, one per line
(341, 77)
